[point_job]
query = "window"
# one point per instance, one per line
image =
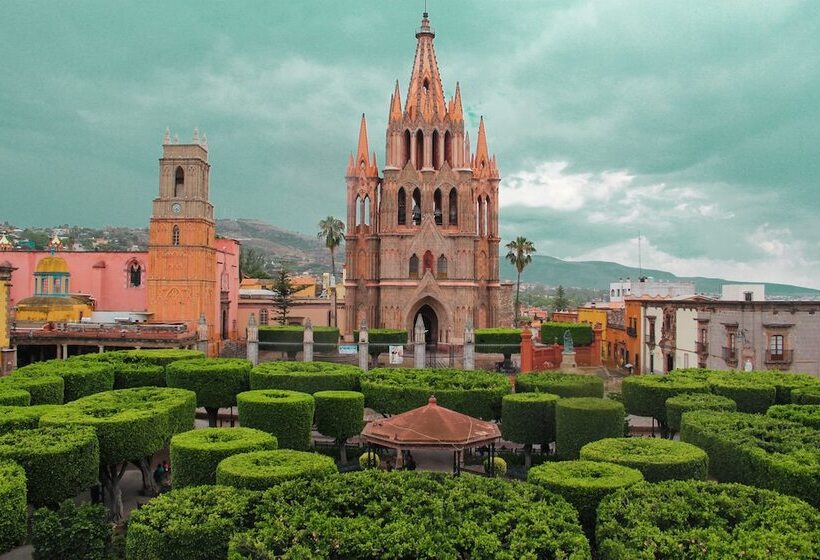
(175, 236)
(402, 204)
(419, 149)
(441, 268)
(179, 182)
(747, 296)
(453, 207)
(58, 285)
(416, 207)
(263, 316)
(429, 261)
(776, 345)
(448, 148)
(437, 207)
(406, 147)
(134, 275)
(435, 149)
(426, 85)
(414, 266)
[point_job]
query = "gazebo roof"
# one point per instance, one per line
(431, 426)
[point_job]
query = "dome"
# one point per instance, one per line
(52, 264)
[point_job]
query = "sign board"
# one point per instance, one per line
(348, 349)
(396, 354)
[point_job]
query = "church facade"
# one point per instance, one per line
(422, 236)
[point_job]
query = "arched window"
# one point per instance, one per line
(175, 235)
(435, 150)
(414, 266)
(419, 149)
(179, 182)
(426, 85)
(488, 227)
(405, 155)
(358, 210)
(441, 268)
(134, 275)
(429, 262)
(453, 207)
(448, 148)
(263, 316)
(437, 207)
(416, 207)
(402, 204)
(366, 210)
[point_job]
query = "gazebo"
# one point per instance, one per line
(433, 427)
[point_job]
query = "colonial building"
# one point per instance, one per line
(422, 236)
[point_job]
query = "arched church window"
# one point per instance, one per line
(416, 207)
(429, 261)
(437, 207)
(426, 85)
(358, 210)
(366, 216)
(175, 235)
(406, 145)
(436, 149)
(402, 204)
(488, 229)
(263, 316)
(134, 275)
(419, 149)
(441, 268)
(179, 182)
(448, 148)
(453, 207)
(414, 266)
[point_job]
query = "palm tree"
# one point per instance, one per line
(332, 230)
(520, 255)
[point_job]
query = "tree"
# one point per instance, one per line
(283, 292)
(252, 264)
(332, 231)
(560, 300)
(520, 255)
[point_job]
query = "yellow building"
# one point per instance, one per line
(52, 302)
(592, 316)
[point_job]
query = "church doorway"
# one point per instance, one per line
(430, 320)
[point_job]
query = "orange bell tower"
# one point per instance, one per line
(181, 245)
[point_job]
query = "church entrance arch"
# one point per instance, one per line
(433, 316)
(430, 320)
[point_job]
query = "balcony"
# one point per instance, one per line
(632, 331)
(781, 357)
(729, 356)
(702, 348)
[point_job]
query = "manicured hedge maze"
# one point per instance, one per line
(475, 393)
(13, 511)
(196, 454)
(806, 414)
(701, 520)
(290, 339)
(288, 415)
(528, 418)
(46, 389)
(565, 385)
(340, 415)
(306, 377)
(14, 397)
(216, 381)
(646, 395)
(806, 395)
(23, 417)
(581, 420)
(498, 341)
(749, 394)
(81, 377)
(676, 406)
(129, 374)
(657, 459)
(259, 470)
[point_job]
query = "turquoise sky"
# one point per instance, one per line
(696, 123)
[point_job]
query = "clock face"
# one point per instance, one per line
(176, 208)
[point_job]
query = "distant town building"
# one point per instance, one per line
(647, 286)
(743, 292)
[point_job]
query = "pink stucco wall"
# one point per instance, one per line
(227, 279)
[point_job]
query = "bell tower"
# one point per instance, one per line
(181, 245)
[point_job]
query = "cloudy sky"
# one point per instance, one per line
(694, 123)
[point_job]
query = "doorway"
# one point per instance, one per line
(670, 362)
(430, 320)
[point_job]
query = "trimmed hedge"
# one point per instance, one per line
(286, 414)
(290, 338)
(688, 519)
(23, 417)
(306, 377)
(498, 341)
(581, 420)
(584, 484)
(499, 466)
(189, 524)
(376, 514)
(646, 395)
(60, 461)
(216, 381)
(552, 332)
(81, 377)
(806, 414)
(528, 418)
(396, 390)
(48, 389)
(806, 395)
(758, 450)
(565, 385)
(749, 393)
(339, 414)
(784, 382)
(72, 533)
(13, 513)
(676, 406)
(380, 340)
(129, 374)
(196, 454)
(657, 459)
(161, 357)
(10, 396)
(260, 470)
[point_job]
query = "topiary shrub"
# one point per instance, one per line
(13, 513)
(690, 519)
(286, 414)
(80, 377)
(189, 524)
(135, 374)
(499, 466)
(60, 461)
(646, 395)
(369, 460)
(290, 339)
(306, 377)
(528, 418)
(22, 417)
(380, 340)
(196, 454)
(259, 470)
(581, 420)
(48, 389)
(553, 332)
(216, 381)
(73, 532)
(565, 385)
(10, 396)
(373, 513)
(748, 393)
(498, 340)
(806, 395)
(584, 484)
(784, 382)
(806, 414)
(676, 406)
(657, 459)
(340, 415)
(396, 390)
(758, 450)
(161, 357)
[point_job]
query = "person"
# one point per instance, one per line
(410, 465)
(166, 466)
(159, 473)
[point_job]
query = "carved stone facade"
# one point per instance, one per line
(422, 239)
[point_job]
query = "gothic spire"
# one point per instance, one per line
(456, 112)
(481, 144)
(362, 150)
(395, 105)
(425, 95)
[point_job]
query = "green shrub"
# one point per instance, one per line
(196, 454)
(71, 533)
(13, 513)
(189, 524)
(375, 514)
(259, 470)
(290, 338)
(646, 395)
(60, 461)
(81, 377)
(584, 484)
(286, 414)
(499, 466)
(340, 415)
(581, 420)
(676, 406)
(161, 357)
(23, 417)
(806, 414)
(498, 341)
(396, 390)
(10, 396)
(552, 332)
(369, 460)
(758, 450)
(657, 459)
(565, 385)
(528, 418)
(43, 390)
(306, 377)
(784, 382)
(748, 393)
(380, 340)
(687, 519)
(135, 374)
(806, 395)
(216, 381)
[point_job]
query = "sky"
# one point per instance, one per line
(692, 126)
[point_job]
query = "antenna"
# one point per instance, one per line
(640, 265)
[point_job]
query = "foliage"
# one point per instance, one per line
(657, 459)
(806, 414)
(196, 454)
(283, 292)
(676, 406)
(499, 466)
(290, 338)
(22, 417)
(81, 377)
(252, 264)
(783, 381)
(560, 300)
(646, 395)
(528, 418)
(519, 254)
(13, 511)
(566, 385)
(286, 414)
(806, 395)
(60, 461)
(306, 377)
(216, 381)
(259, 470)
(375, 514)
(498, 341)
(396, 390)
(339, 414)
(9, 396)
(369, 460)
(689, 519)
(189, 524)
(581, 420)
(48, 389)
(380, 340)
(71, 532)
(332, 232)
(163, 356)
(552, 331)
(758, 450)
(583, 484)
(127, 374)
(749, 394)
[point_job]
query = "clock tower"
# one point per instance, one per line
(182, 276)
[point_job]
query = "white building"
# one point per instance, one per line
(743, 292)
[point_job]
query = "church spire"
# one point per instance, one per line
(362, 162)
(395, 105)
(362, 150)
(483, 165)
(456, 112)
(425, 95)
